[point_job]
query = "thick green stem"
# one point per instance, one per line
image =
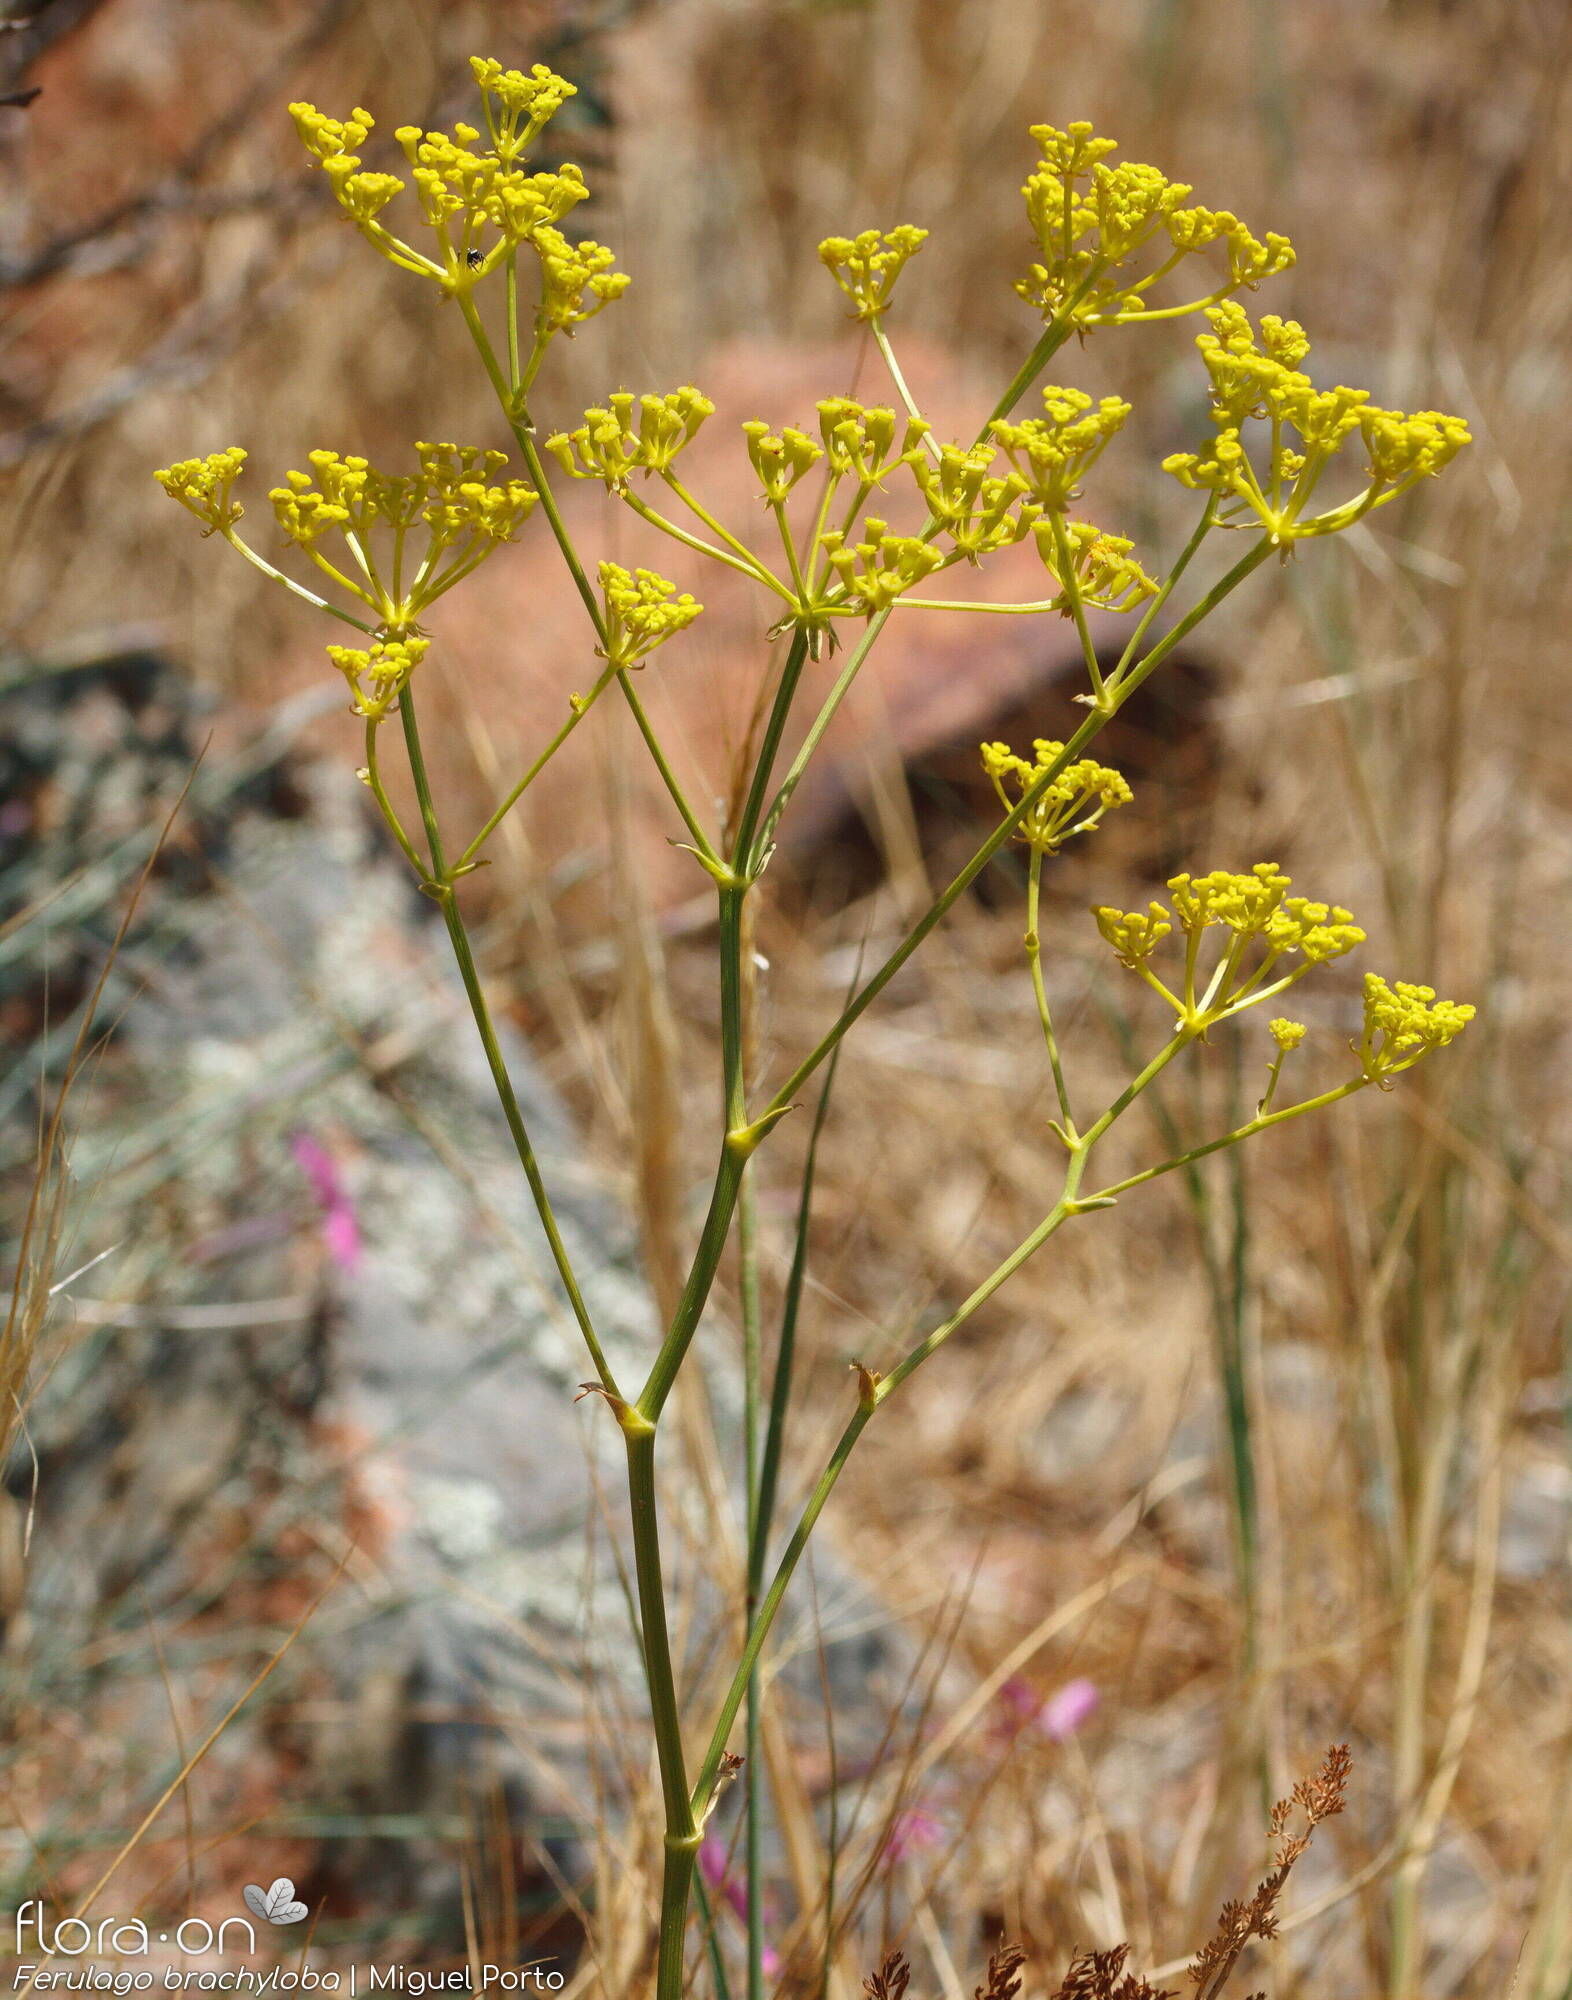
(682, 1833)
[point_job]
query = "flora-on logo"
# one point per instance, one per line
(276, 1905)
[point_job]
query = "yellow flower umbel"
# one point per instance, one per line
(1093, 221)
(1265, 927)
(611, 446)
(779, 461)
(642, 611)
(1403, 1024)
(1073, 802)
(881, 567)
(479, 203)
(1306, 428)
(398, 543)
(407, 539)
(1264, 930)
(867, 265)
(979, 511)
(203, 487)
(860, 442)
(377, 675)
(1055, 451)
(1092, 568)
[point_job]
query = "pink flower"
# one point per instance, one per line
(911, 1831)
(1067, 1710)
(732, 1890)
(340, 1229)
(1060, 1716)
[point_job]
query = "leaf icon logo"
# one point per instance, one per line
(276, 1905)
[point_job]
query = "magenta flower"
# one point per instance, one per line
(732, 1890)
(911, 1831)
(1069, 1709)
(340, 1228)
(1060, 1716)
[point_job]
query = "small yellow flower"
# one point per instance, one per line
(643, 610)
(1134, 937)
(1073, 802)
(1404, 1023)
(1245, 903)
(516, 107)
(866, 266)
(780, 461)
(1092, 220)
(1261, 379)
(577, 280)
(860, 443)
(1287, 1034)
(979, 511)
(203, 486)
(1054, 452)
(881, 567)
(377, 675)
(611, 446)
(1106, 574)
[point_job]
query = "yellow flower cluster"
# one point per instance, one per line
(1106, 574)
(517, 108)
(1072, 803)
(203, 487)
(463, 518)
(1255, 906)
(779, 461)
(978, 511)
(376, 675)
(860, 442)
(881, 567)
(1134, 936)
(1258, 911)
(576, 280)
(475, 195)
(450, 497)
(1403, 1023)
(609, 446)
(1092, 219)
(1054, 452)
(643, 610)
(866, 266)
(1261, 379)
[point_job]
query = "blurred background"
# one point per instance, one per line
(1275, 1457)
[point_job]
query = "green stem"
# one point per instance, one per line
(586, 590)
(385, 804)
(682, 1832)
(821, 723)
(709, 1771)
(1118, 692)
(752, 1773)
(1054, 337)
(458, 937)
(535, 769)
(1262, 1123)
(1034, 953)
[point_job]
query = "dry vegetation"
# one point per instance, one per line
(1366, 1320)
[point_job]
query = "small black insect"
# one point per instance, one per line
(474, 259)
